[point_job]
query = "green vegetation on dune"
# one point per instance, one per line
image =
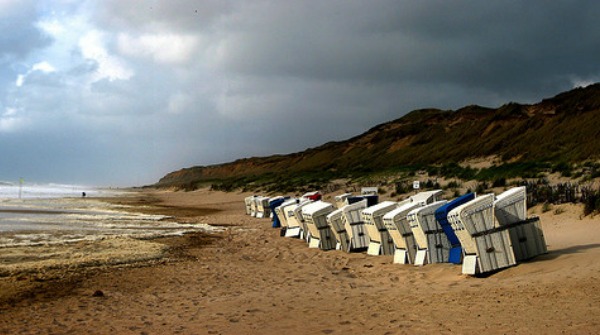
(555, 135)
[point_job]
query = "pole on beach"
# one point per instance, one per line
(20, 187)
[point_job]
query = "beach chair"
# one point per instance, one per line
(355, 227)
(372, 199)
(369, 190)
(315, 217)
(294, 220)
(313, 196)
(426, 197)
(526, 235)
(432, 242)
(253, 205)
(248, 204)
(335, 222)
(340, 200)
(380, 242)
(279, 210)
(486, 246)
(274, 203)
(262, 207)
(299, 216)
(441, 215)
(398, 227)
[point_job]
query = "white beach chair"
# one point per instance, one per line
(486, 247)
(427, 197)
(281, 212)
(248, 204)
(369, 190)
(340, 200)
(253, 205)
(358, 238)
(299, 216)
(315, 217)
(398, 227)
(262, 207)
(380, 242)
(432, 242)
(335, 222)
(526, 235)
(294, 222)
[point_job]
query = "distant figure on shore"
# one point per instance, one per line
(83, 194)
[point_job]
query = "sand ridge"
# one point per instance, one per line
(249, 280)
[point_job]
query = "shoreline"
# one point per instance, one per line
(249, 280)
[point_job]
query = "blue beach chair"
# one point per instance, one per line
(441, 215)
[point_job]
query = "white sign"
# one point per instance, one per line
(416, 185)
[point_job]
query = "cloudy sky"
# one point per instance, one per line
(121, 92)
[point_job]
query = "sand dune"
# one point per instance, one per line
(248, 280)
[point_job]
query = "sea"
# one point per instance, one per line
(40, 214)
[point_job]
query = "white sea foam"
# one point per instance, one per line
(46, 217)
(10, 190)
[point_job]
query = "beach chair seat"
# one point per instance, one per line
(432, 242)
(380, 242)
(358, 238)
(441, 215)
(527, 239)
(315, 217)
(398, 227)
(494, 252)
(335, 222)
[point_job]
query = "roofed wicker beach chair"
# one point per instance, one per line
(274, 203)
(526, 235)
(340, 200)
(279, 210)
(336, 224)
(315, 217)
(299, 216)
(426, 197)
(398, 227)
(441, 215)
(294, 223)
(262, 207)
(486, 248)
(380, 242)
(355, 227)
(433, 245)
(248, 204)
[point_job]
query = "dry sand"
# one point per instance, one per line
(248, 280)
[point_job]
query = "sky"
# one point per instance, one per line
(120, 93)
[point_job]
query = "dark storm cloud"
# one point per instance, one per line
(143, 88)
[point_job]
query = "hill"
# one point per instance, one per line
(554, 133)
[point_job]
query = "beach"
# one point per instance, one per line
(243, 278)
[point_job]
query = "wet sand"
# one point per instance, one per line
(248, 280)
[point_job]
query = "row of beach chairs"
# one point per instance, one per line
(483, 233)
